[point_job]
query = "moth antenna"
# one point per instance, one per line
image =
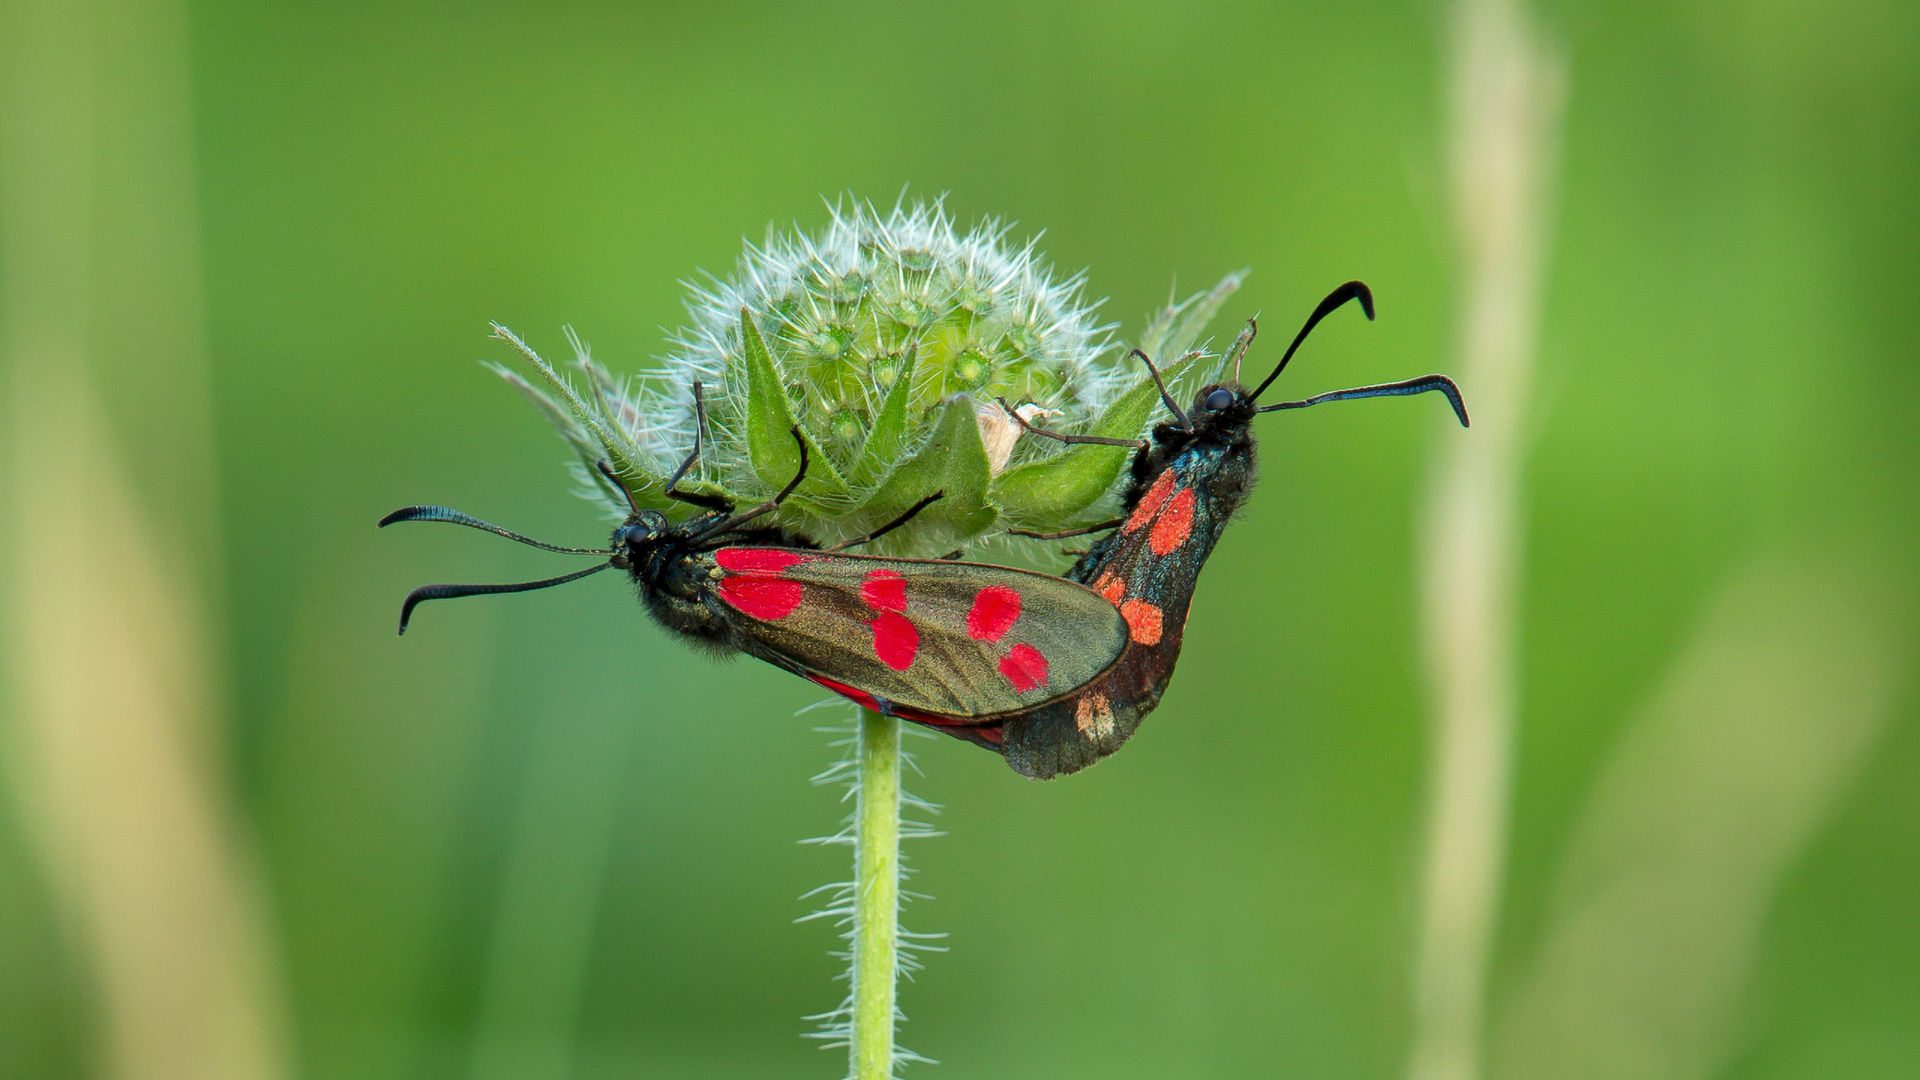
(448, 592)
(1424, 384)
(1164, 396)
(613, 478)
(449, 514)
(768, 507)
(1239, 350)
(1352, 290)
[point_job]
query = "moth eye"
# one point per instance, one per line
(633, 534)
(1219, 399)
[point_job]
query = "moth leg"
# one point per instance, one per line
(1238, 351)
(705, 502)
(1102, 527)
(768, 507)
(891, 525)
(613, 478)
(1172, 407)
(699, 426)
(1071, 440)
(953, 555)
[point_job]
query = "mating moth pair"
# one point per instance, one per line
(1054, 673)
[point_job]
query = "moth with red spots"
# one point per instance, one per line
(1054, 673)
(958, 646)
(1186, 484)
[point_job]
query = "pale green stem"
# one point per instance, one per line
(876, 897)
(1507, 91)
(111, 672)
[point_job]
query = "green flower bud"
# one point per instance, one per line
(889, 341)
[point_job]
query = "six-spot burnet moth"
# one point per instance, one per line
(1055, 673)
(1186, 483)
(957, 646)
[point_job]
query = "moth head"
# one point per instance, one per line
(1218, 398)
(643, 528)
(1221, 404)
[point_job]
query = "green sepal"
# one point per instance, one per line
(648, 491)
(954, 461)
(770, 424)
(1049, 494)
(889, 434)
(1174, 330)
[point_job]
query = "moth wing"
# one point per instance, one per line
(1148, 567)
(952, 641)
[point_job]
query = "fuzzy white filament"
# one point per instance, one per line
(868, 907)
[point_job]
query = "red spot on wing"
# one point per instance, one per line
(858, 697)
(746, 560)
(884, 590)
(1175, 525)
(761, 597)
(1150, 503)
(1025, 668)
(995, 609)
(1111, 587)
(895, 640)
(1143, 621)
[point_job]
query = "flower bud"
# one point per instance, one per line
(888, 341)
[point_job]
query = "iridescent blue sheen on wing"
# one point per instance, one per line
(1148, 567)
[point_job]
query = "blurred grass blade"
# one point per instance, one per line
(107, 753)
(541, 943)
(110, 558)
(1764, 719)
(1507, 92)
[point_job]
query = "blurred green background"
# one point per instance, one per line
(537, 839)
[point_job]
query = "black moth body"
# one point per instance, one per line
(1184, 489)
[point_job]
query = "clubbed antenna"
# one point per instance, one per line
(1352, 290)
(449, 592)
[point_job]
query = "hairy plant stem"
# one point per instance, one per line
(876, 899)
